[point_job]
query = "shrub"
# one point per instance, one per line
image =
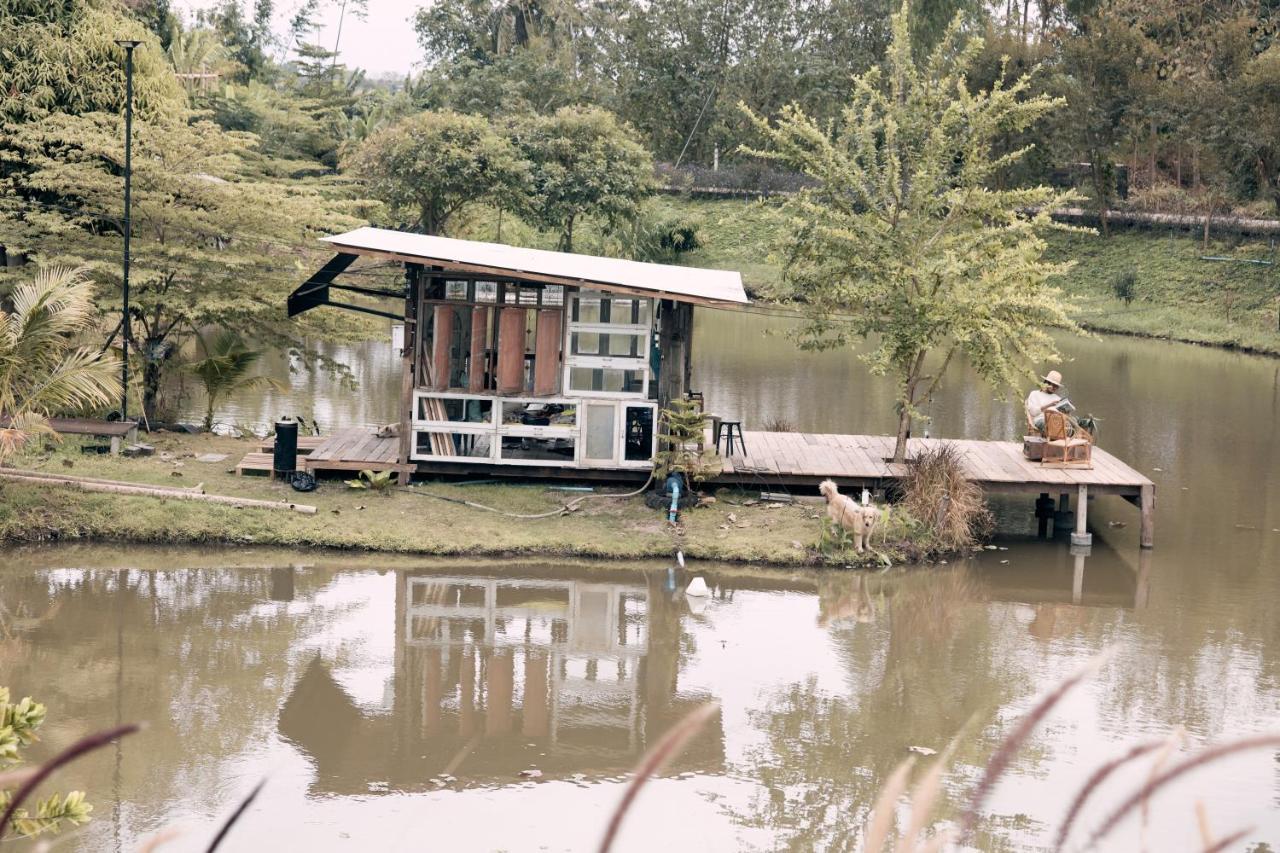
(1124, 286)
(947, 503)
(683, 428)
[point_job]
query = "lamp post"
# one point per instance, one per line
(128, 45)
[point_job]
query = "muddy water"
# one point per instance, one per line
(392, 705)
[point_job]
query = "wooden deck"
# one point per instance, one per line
(805, 459)
(355, 450)
(788, 459)
(344, 450)
(802, 458)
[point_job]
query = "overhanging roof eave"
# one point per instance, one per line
(712, 287)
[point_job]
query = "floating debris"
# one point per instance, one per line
(922, 750)
(531, 773)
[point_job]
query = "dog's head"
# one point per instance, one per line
(870, 516)
(828, 490)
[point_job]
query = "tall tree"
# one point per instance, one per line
(585, 164)
(430, 166)
(904, 240)
(62, 57)
(1102, 68)
(211, 244)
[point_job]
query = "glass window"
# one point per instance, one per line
(456, 290)
(587, 309)
(585, 343)
(638, 433)
(452, 409)
(601, 418)
(528, 449)
(553, 294)
(442, 444)
(606, 379)
(486, 291)
(618, 345)
(618, 310)
(539, 414)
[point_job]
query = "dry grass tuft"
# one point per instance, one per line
(948, 504)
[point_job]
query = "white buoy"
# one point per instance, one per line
(697, 588)
(680, 558)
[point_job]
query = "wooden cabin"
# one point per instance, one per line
(527, 360)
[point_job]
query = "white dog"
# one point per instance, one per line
(845, 511)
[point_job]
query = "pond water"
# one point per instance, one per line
(353, 685)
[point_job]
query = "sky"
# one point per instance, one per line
(384, 42)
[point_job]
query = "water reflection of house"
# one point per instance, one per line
(493, 676)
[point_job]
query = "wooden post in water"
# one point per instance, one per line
(1147, 505)
(1082, 536)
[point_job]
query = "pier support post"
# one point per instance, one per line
(1062, 519)
(1079, 552)
(1082, 536)
(1147, 504)
(1142, 583)
(1044, 512)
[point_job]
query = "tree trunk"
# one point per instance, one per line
(151, 376)
(566, 239)
(904, 432)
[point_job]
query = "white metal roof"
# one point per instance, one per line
(687, 284)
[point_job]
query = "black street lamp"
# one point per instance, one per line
(128, 45)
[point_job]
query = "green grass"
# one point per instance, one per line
(400, 522)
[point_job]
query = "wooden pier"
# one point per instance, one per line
(798, 460)
(856, 461)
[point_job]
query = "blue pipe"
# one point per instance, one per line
(673, 485)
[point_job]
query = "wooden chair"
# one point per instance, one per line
(1061, 449)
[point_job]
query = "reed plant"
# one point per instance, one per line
(947, 503)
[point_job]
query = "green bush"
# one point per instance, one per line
(1124, 286)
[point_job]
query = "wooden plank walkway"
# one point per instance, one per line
(788, 459)
(306, 443)
(355, 450)
(803, 459)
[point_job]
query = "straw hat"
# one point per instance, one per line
(1054, 378)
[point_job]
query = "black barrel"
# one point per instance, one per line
(286, 452)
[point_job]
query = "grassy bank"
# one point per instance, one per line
(735, 528)
(1177, 295)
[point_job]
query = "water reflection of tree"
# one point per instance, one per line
(200, 655)
(928, 663)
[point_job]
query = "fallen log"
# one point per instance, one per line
(48, 475)
(120, 488)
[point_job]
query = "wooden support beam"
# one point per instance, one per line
(1147, 533)
(1082, 536)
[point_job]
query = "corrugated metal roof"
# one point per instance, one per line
(689, 284)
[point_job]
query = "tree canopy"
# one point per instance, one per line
(584, 164)
(431, 165)
(905, 240)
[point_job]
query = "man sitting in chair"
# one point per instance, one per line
(1047, 396)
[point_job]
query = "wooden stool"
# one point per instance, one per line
(729, 430)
